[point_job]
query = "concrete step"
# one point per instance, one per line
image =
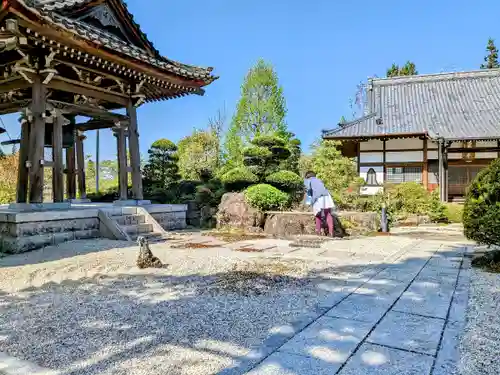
(152, 237)
(125, 220)
(137, 229)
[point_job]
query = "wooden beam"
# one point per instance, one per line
(14, 106)
(22, 177)
(80, 165)
(462, 150)
(68, 85)
(86, 110)
(425, 168)
(135, 156)
(70, 172)
(57, 155)
(37, 141)
(12, 85)
(122, 163)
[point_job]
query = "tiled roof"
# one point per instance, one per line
(463, 105)
(48, 10)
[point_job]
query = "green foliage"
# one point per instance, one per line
(408, 198)
(266, 197)
(210, 193)
(482, 206)
(198, 152)
(238, 179)
(437, 210)
(162, 168)
(260, 111)
(454, 212)
(491, 59)
(408, 69)
(8, 178)
(336, 171)
(286, 180)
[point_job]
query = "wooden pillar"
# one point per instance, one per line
(384, 160)
(97, 161)
(445, 169)
(80, 164)
(70, 172)
(37, 141)
(135, 156)
(122, 162)
(22, 177)
(425, 168)
(441, 169)
(57, 155)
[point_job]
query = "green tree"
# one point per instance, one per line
(198, 153)
(90, 173)
(336, 171)
(491, 59)
(161, 169)
(408, 69)
(260, 111)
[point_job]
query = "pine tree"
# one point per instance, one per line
(491, 59)
(408, 69)
(161, 169)
(260, 111)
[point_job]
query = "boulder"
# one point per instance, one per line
(235, 212)
(292, 223)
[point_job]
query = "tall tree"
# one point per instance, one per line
(260, 111)
(491, 59)
(408, 69)
(161, 169)
(198, 153)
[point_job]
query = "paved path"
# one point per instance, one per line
(405, 319)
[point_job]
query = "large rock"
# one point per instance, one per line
(286, 224)
(235, 212)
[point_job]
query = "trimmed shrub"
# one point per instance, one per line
(437, 210)
(286, 181)
(408, 198)
(268, 141)
(257, 152)
(454, 212)
(238, 179)
(266, 197)
(482, 206)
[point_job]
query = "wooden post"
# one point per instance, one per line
(442, 176)
(70, 175)
(445, 170)
(97, 161)
(384, 160)
(425, 169)
(37, 141)
(80, 164)
(57, 155)
(135, 156)
(22, 177)
(122, 162)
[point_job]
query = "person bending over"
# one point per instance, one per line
(318, 196)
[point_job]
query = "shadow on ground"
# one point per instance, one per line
(167, 324)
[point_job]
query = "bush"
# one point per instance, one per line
(408, 198)
(482, 207)
(238, 179)
(286, 181)
(454, 212)
(266, 197)
(437, 210)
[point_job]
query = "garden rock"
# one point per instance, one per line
(235, 212)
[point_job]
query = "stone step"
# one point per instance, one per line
(152, 237)
(125, 220)
(138, 229)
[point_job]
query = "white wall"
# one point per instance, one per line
(379, 170)
(372, 144)
(370, 190)
(404, 156)
(371, 157)
(404, 143)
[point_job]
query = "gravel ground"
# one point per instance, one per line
(82, 311)
(480, 345)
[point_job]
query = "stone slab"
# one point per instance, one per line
(363, 308)
(378, 287)
(408, 332)
(448, 355)
(377, 360)
(330, 339)
(425, 302)
(131, 202)
(29, 207)
(26, 217)
(159, 208)
(281, 363)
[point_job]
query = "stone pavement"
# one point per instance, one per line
(404, 319)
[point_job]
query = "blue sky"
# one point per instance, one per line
(321, 50)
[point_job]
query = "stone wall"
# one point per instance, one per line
(25, 231)
(285, 224)
(169, 216)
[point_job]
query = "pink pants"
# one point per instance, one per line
(329, 221)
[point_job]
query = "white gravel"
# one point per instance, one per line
(79, 310)
(480, 344)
